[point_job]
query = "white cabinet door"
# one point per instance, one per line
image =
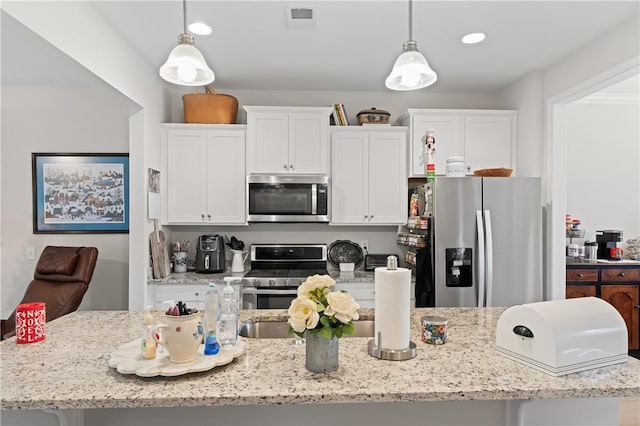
(368, 176)
(308, 143)
(192, 294)
(387, 178)
(362, 291)
(287, 139)
(485, 138)
(205, 175)
(226, 177)
(268, 142)
(349, 177)
(489, 141)
(186, 176)
(448, 133)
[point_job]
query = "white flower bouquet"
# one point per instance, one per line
(316, 309)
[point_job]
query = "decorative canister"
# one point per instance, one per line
(30, 322)
(455, 166)
(434, 330)
(373, 116)
(572, 250)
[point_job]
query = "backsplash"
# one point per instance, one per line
(381, 239)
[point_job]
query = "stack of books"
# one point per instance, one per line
(339, 116)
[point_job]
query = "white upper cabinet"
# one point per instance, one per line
(288, 139)
(205, 174)
(368, 175)
(485, 138)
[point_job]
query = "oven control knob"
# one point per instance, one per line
(272, 283)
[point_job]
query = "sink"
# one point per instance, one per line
(280, 329)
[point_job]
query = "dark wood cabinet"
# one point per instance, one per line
(626, 299)
(580, 291)
(617, 284)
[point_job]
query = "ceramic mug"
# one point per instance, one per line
(434, 330)
(615, 253)
(182, 335)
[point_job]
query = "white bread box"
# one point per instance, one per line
(563, 336)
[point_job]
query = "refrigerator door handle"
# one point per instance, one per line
(480, 258)
(489, 257)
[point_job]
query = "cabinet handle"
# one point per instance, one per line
(579, 276)
(291, 166)
(637, 306)
(621, 274)
(202, 216)
(209, 216)
(197, 294)
(286, 167)
(370, 217)
(366, 217)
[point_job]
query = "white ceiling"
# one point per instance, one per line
(354, 44)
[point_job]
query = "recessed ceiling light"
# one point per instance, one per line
(473, 38)
(200, 28)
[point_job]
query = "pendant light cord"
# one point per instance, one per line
(184, 15)
(410, 22)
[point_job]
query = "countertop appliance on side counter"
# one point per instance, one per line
(210, 254)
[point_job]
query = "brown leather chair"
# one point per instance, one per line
(61, 279)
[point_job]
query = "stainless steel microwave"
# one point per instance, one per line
(288, 198)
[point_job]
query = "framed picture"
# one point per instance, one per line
(80, 193)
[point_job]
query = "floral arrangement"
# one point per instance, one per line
(316, 309)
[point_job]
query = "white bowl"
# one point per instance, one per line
(347, 267)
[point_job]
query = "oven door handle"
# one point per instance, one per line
(260, 291)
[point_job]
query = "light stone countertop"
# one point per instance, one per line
(191, 277)
(69, 369)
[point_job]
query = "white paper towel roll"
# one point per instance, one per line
(393, 307)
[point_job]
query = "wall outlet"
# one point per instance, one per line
(364, 244)
(30, 253)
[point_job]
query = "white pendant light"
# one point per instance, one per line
(411, 70)
(186, 65)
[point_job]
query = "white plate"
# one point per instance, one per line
(128, 360)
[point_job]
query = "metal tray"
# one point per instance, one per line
(345, 251)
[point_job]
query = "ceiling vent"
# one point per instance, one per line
(301, 18)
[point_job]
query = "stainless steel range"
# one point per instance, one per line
(276, 272)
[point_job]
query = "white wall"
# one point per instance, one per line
(79, 30)
(607, 60)
(612, 49)
(603, 177)
(526, 96)
(382, 239)
(396, 103)
(92, 120)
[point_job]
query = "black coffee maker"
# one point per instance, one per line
(606, 240)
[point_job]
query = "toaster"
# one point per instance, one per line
(210, 254)
(373, 261)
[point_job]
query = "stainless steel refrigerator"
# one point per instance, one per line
(485, 242)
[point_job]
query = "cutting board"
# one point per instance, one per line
(159, 253)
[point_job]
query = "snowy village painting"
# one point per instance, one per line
(80, 193)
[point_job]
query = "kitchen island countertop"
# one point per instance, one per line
(69, 369)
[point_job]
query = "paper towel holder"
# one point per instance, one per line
(378, 351)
